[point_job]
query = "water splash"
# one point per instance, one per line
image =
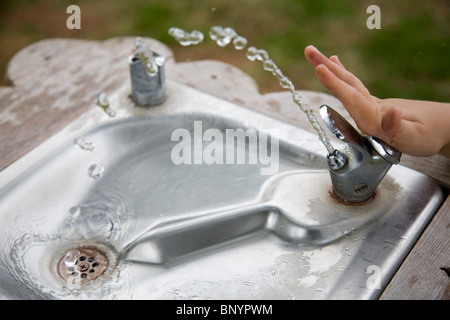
(186, 38)
(104, 218)
(102, 101)
(28, 245)
(83, 144)
(269, 65)
(19, 269)
(151, 62)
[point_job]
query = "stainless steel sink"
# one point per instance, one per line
(264, 228)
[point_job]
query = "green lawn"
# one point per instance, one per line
(408, 57)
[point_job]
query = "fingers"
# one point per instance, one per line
(315, 57)
(370, 119)
(312, 56)
(335, 59)
(358, 106)
(339, 88)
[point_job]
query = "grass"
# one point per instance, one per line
(408, 57)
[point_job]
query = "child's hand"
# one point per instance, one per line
(418, 128)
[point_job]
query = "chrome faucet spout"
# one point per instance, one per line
(147, 79)
(357, 169)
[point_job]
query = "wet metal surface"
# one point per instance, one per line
(203, 226)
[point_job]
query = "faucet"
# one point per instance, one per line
(147, 76)
(357, 169)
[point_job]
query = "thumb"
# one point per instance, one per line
(391, 122)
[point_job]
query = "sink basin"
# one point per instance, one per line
(161, 214)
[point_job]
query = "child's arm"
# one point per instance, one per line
(418, 128)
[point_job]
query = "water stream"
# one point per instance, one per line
(224, 36)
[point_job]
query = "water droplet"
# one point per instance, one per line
(75, 212)
(95, 171)
(239, 42)
(347, 249)
(257, 54)
(222, 36)
(248, 283)
(269, 65)
(159, 60)
(151, 67)
(341, 268)
(286, 83)
(102, 101)
(251, 53)
(83, 144)
(186, 38)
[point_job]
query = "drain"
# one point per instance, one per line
(82, 265)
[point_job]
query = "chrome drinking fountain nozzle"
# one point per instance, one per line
(147, 78)
(361, 165)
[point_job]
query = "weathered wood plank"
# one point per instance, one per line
(421, 275)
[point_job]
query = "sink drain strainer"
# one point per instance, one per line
(82, 265)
